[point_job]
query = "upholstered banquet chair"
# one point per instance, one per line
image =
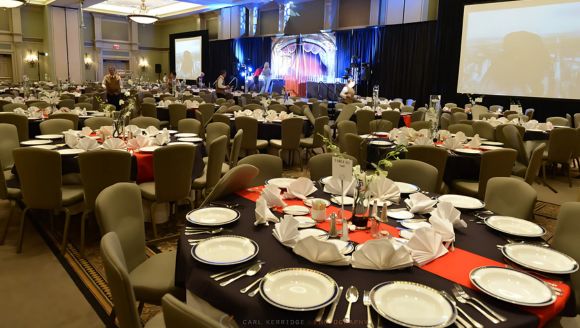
(149, 109)
(277, 107)
(173, 167)
(434, 156)
(96, 123)
(221, 118)
(396, 104)
(56, 126)
(213, 170)
(494, 163)
(476, 112)
(12, 195)
(514, 140)
(250, 143)
(236, 179)
(499, 135)
(420, 125)
(253, 106)
(445, 121)
(561, 144)
(320, 165)
(363, 120)
(74, 118)
(8, 142)
(458, 116)
(421, 174)
(392, 116)
(343, 128)
(558, 121)
(12, 106)
(465, 128)
(315, 141)
(309, 115)
(297, 110)
(177, 112)
(84, 105)
(450, 105)
(511, 197)
(530, 172)
(290, 142)
(19, 121)
(215, 130)
(356, 146)
(269, 167)
(119, 210)
(100, 169)
(189, 125)
(40, 175)
(381, 126)
(145, 122)
(207, 111)
(68, 103)
(319, 109)
(196, 313)
(119, 282)
(345, 114)
(484, 129)
(418, 115)
(40, 104)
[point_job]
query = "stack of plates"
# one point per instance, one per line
(514, 226)
(225, 250)
(212, 216)
(462, 202)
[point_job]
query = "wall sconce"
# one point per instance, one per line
(143, 63)
(88, 61)
(31, 58)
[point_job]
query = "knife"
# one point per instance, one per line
(330, 316)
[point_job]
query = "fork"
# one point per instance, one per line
(367, 304)
(468, 297)
(462, 300)
(465, 323)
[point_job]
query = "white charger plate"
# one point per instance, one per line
(467, 151)
(414, 225)
(308, 201)
(71, 151)
(190, 139)
(212, 216)
(492, 143)
(486, 147)
(49, 147)
(462, 202)
(381, 143)
(281, 183)
(296, 210)
(412, 305)
(186, 135)
(148, 149)
(512, 286)
(298, 289)
(400, 215)
(540, 258)
(348, 201)
(407, 188)
(514, 226)
(49, 136)
(225, 250)
(35, 142)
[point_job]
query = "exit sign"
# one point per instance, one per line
(116, 46)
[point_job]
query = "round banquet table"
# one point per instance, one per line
(270, 130)
(476, 242)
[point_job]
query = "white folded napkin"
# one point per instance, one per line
(79, 111)
(443, 134)
(532, 124)
(460, 136)
(263, 213)
(333, 186)
(381, 254)
(446, 211)
(114, 143)
(20, 111)
(452, 143)
(320, 251)
(443, 227)
(106, 131)
(286, 231)
(420, 203)
(271, 117)
(139, 142)
(151, 131)
(87, 144)
(300, 188)
(86, 131)
(133, 129)
(426, 245)
(162, 138)
(475, 142)
(549, 126)
(71, 138)
(383, 188)
(424, 141)
(248, 112)
(272, 196)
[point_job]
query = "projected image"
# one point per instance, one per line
(188, 58)
(527, 48)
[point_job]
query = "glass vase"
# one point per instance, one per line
(360, 212)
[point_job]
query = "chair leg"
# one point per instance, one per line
(153, 224)
(83, 228)
(3, 237)
(65, 233)
(21, 233)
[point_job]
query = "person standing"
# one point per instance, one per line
(200, 80)
(347, 94)
(170, 84)
(113, 83)
(267, 74)
(257, 73)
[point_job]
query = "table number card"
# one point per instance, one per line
(342, 168)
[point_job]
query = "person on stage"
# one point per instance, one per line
(347, 94)
(200, 80)
(267, 74)
(220, 87)
(257, 73)
(113, 83)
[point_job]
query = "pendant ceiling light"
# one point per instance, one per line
(141, 17)
(11, 3)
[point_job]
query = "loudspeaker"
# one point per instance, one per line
(158, 68)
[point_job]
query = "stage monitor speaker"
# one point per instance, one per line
(277, 85)
(158, 68)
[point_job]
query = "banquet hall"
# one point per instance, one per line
(289, 163)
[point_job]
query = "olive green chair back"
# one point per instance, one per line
(8, 142)
(74, 118)
(561, 144)
(392, 116)
(11, 107)
(363, 120)
(420, 125)
(445, 121)
(356, 147)
(119, 209)
(343, 128)
(149, 100)
(40, 104)
(189, 125)
(560, 121)
(236, 179)
(215, 130)
(465, 128)
(67, 96)
(510, 197)
(277, 107)
(514, 140)
(253, 106)
(207, 110)
(396, 104)
(236, 148)
(297, 110)
(495, 163)
(458, 110)
(84, 105)
(423, 175)
(145, 122)
(308, 113)
(40, 176)
(177, 112)
(149, 110)
(476, 112)
(535, 164)
(96, 123)
(450, 105)
(499, 135)
(269, 166)
(319, 109)
(56, 126)
(418, 116)
(484, 129)
(291, 133)
(320, 165)
(434, 156)
(216, 157)
(381, 125)
(221, 118)
(346, 113)
(196, 313)
(68, 103)
(319, 124)
(19, 121)
(250, 127)
(100, 169)
(173, 167)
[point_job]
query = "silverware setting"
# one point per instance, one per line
(367, 304)
(330, 316)
(200, 232)
(458, 296)
(468, 297)
(472, 322)
(245, 289)
(237, 270)
(249, 272)
(254, 292)
(351, 297)
(224, 204)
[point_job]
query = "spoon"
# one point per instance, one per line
(250, 272)
(351, 297)
(211, 232)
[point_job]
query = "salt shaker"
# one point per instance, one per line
(344, 236)
(333, 232)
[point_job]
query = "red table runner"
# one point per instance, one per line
(144, 166)
(454, 266)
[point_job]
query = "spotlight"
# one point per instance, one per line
(250, 69)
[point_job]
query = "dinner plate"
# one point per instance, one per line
(339, 199)
(70, 151)
(186, 135)
(148, 149)
(225, 250)
(171, 132)
(467, 151)
(400, 215)
(462, 202)
(512, 286)
(535, 130)
(308, 201)
(318, 233)
(415, 224)
(514, 226)
(407, 188)
(486, 147)
(380, 143)
(540, 258)
(192, 139)
(212, 216)
(492, 143)
(344, 247)
(305, 222)
(410, 304)
(49, 136)
(35, 142)
(298, 289)
(179, 143)
(49, 147)
(381, 134)
(281, 183)
(296, 210)
(368, 136)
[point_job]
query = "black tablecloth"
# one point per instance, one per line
(253, 312)
(271, 130)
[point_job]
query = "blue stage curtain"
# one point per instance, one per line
(363, 43)
(253, 51)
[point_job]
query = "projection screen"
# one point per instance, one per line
(527, 48)
(188, 56)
